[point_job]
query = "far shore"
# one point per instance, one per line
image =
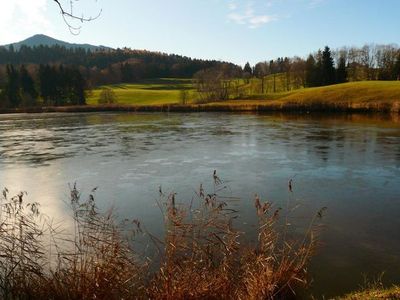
(259, 106)
(353, 97)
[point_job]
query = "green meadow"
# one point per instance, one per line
(361, 91)
(168, 91)
(352, 93)
(151, 92)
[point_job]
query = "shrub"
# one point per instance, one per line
(107, 96)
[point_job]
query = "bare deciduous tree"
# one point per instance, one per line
(261, 71)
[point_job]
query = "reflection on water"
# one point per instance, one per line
(351, 164)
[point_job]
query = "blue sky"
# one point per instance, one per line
(231, 30)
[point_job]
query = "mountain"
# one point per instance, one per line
(41, 39)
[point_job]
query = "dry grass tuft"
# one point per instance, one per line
(201, 255)
(98, 262)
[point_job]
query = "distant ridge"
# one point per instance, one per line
(41, 39)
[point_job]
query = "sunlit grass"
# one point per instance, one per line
(151, 92)
(372, 294)
(382, 96)
(364, 91)
(167, 91)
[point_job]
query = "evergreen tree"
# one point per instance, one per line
(77, 84)
(61, 85)
(397, 67)
(11, 54)
(28, 90)
(45, 83)
(341, 71)
(327, 67)
(318, 69)
(12, 89)
(61, 93)
(127, 73)
(311, 71)
(247, 68)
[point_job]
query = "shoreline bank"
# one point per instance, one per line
(226, 106)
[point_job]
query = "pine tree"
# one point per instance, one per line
(126, 72)
(341, 71)
(46, 83)
(78, 84)
(311, 71)
(327, 67)
(248, 69)
(397, 67)
(12, 89)
(28, 90)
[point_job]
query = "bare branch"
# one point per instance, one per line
(69, 15)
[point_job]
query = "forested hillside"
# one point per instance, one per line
(107, 65)
(58, 75)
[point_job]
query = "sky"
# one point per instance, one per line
(230, 30)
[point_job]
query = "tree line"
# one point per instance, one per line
(324, 67)
(108, 66)
(51, 85)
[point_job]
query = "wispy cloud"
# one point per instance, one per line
(232, 6)
(315, 3)
(20, 18)
(246, 14)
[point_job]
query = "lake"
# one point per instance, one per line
(349, 164)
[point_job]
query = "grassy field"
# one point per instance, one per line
(363, 91)
(372, 294)
(154, 92)
(276, 83)
(162, 94)
(167, 91)
(364, 95)
(165, 94)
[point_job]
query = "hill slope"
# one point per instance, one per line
(352, 96)
(41, 39)
(354, 92)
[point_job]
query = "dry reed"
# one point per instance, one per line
(200, 257)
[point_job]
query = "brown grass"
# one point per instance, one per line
(373, 290)
(200, 257)
(374, 294)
